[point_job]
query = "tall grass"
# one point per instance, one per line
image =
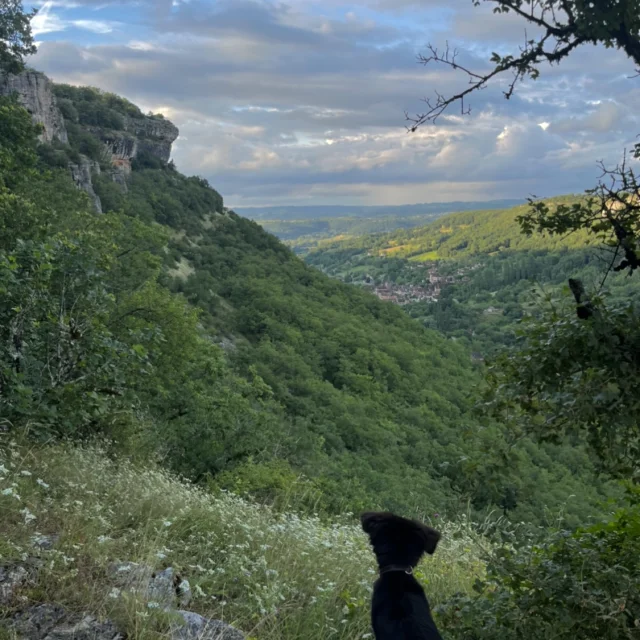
(273, 575)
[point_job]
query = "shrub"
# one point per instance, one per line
(576, 585)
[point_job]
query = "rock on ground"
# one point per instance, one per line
(197, 627)
(165, 587)
(51, 622)
(12, 578)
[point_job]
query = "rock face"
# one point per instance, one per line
(149, 135)
(81, 174)
(35, 93)
(52, 622)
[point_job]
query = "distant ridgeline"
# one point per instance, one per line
(205, 342)
(305, 228)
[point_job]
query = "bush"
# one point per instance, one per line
(576, 585)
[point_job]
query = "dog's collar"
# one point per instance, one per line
(396, 567)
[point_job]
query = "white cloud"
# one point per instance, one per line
(46, 22)
(96, 26)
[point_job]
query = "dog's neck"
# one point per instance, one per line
(391, 568)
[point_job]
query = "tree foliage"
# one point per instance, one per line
(571, 585)
(16, 39)
(574, 375)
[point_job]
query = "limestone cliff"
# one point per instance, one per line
(137, 135)
(35, 93)
(82, 173)
(149, 135)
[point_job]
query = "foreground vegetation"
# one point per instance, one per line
(273, 575)
(278, 575)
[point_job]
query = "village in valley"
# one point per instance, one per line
(429, 289)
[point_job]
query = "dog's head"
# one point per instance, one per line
(397, 540)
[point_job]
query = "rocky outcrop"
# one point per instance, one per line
(52, 622)
(147, 135)
(151, 135)
(35, 93)
(82, 176)
(155, 135)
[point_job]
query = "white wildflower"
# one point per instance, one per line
(25, 473)
(114, 593)
(167, 523)
(153, 605)
(42, 483)
(10, 491)
(28, 516)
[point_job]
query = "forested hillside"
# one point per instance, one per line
(462, 234)
(494, 276)
(185, 332)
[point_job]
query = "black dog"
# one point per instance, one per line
(400, 610)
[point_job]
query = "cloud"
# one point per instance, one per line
(46, 21)
(303, 101)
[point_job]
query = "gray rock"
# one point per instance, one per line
(44, 542)
(148, 135)
(35, 93)
(196, 627)
(12, 578)
(165, 587)
(130, 575)
(82, 176)
(51, 622)
(35, 623)
(87, 628)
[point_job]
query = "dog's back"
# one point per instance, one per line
(400, 610)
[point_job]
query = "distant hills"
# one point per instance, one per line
(460, 235)
(347, 211)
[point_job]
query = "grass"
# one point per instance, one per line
(273, 575)
(429, 256)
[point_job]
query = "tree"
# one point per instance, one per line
(562, 26)
(16, 38)
(578, 372)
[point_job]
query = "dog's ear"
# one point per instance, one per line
(430, 538)
(371, 521)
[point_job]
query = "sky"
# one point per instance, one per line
(302, 102)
